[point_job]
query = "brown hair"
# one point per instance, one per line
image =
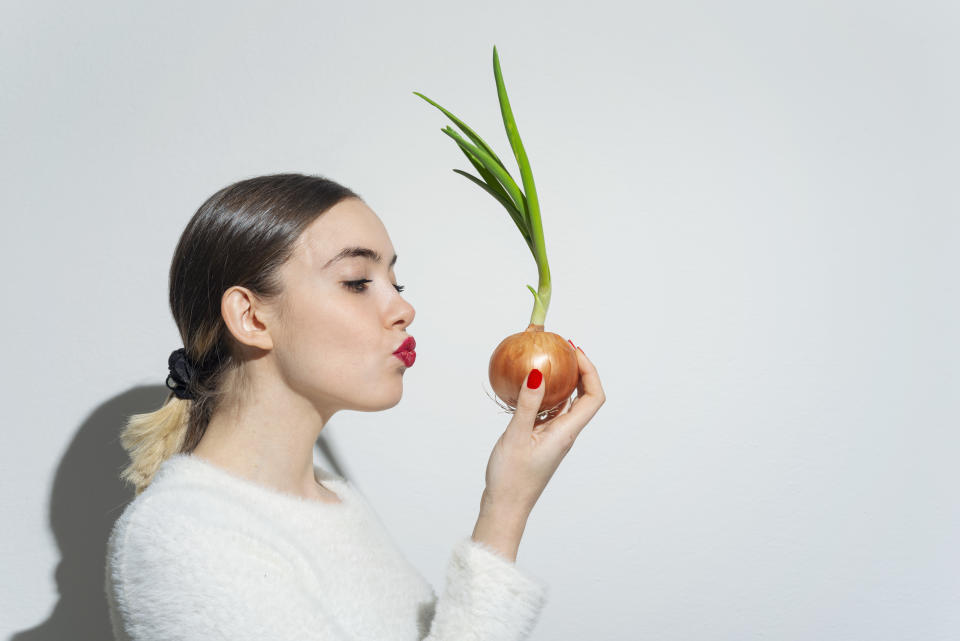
(240, 236)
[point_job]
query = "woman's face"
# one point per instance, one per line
(342, 315)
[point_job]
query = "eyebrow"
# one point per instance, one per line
(361, 252)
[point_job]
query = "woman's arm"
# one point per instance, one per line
(500, 527)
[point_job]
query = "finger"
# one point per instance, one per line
(528, 404)
(583, 409)
(589, 383)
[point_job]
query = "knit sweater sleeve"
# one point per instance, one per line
(174, 577)
(486, 598)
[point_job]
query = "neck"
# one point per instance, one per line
(267, 435)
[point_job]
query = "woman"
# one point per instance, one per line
(282, 288)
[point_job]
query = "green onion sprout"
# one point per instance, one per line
(495, 179)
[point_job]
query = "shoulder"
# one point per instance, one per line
(175, 514)
(163, 549)
(170, 522)
(181, 520)
(173, 569)
(189, 497)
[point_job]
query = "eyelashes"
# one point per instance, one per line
(360, 286)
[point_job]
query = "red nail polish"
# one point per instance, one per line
(571, 344)
(581, 349)
(534, 379)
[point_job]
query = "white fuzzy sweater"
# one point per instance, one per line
(203, 554)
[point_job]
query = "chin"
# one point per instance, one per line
(380, 402)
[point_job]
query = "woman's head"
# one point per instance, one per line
(259, 304)
(331, 333)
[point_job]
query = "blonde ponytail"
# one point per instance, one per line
(153, 437)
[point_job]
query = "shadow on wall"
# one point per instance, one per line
(88, 497)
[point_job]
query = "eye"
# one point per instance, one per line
(360, 286)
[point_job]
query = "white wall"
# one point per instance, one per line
(751, 212)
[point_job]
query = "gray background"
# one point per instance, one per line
(750, 210)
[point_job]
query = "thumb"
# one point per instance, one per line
(528, 402)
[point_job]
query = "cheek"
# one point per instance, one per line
(328, 338)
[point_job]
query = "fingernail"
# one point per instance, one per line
(581, 350)
(571, 344)
(534, 379)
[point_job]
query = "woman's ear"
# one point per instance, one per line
(247, 319)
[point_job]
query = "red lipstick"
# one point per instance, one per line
(406, 351)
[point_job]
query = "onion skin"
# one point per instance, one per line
(550, 353)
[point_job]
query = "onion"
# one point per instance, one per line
(517, 354)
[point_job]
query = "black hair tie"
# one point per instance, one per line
(181, 374)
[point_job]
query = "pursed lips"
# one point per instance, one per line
(406, 352)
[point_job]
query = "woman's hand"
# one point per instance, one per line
(527, 454)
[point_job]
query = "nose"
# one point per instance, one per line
(404, 313)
